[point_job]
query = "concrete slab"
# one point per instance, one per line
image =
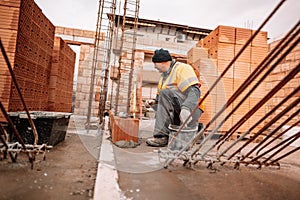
(138, 173)
(106, 185)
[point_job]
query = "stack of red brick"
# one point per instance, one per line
(213, 54)
(61, 77)
(28, 38)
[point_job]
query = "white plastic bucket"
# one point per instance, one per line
(182, 139)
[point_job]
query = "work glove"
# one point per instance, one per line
(149, 103)
(184, 114)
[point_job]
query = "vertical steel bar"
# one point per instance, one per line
(94, 65)
(135, 25)
(35, 134)
(120, 58)
(107, 50)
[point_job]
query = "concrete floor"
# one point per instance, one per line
(138, 173)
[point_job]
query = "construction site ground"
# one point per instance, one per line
(76, 166)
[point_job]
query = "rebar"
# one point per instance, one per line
(289, 141)
(36, 137)
(259, 121)
(276, 146)
(2, 132)
(278, 136)
(262, 101)
(276, 129)
(274, 53)
(286, 79)
(285, 155)
(169, 161)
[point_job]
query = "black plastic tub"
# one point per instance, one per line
(51, 126)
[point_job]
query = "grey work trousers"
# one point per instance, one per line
(168, 111)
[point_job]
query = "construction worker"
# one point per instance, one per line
(178, 94)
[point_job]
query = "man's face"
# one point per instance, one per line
(162, 66)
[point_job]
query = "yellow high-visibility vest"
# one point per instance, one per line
(180, 78)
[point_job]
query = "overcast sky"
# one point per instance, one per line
(208, 14)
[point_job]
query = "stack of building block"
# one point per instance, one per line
(61, 77)
(33, 57)
(214, 53)
(289, 63)
(28, 38)
(9, 15)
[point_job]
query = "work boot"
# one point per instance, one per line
(157, 142)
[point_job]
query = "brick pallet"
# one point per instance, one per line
(61, 77)
(221, 45)
(289, 63)
(28, 38)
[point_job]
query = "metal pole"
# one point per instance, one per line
(292, 139)
(5, 144)
(94, 64)
(279, 135)
(264, 153)
(276, 129)
(259, 122)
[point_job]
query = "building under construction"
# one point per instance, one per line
(250, 87)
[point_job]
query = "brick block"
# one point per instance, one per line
(124, 128)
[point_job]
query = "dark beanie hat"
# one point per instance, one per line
(161, 55)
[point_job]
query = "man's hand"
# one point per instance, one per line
(184, 114)
(149, 103)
